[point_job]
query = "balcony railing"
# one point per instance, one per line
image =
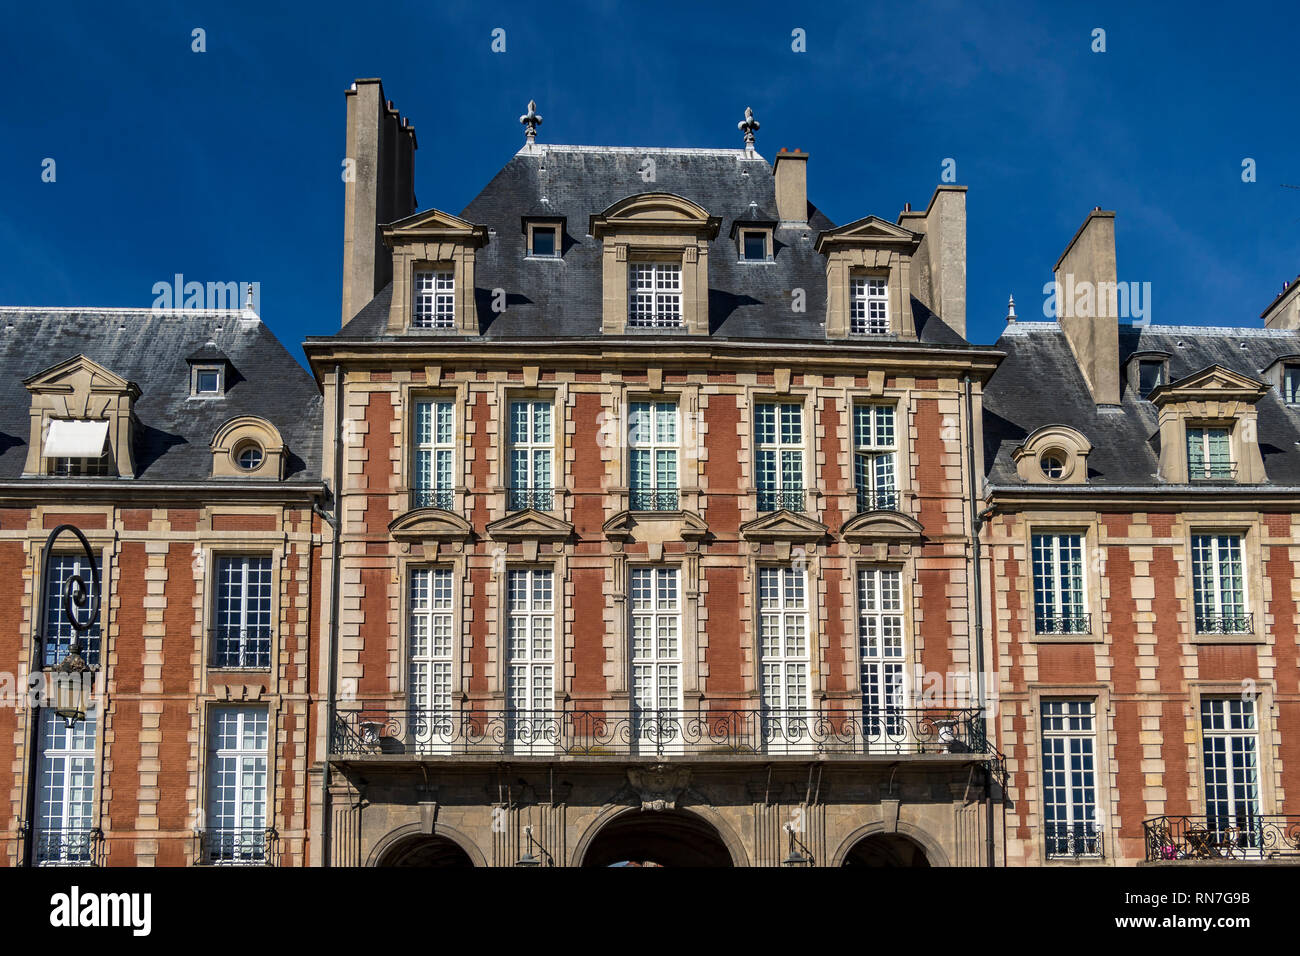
(443, 498)
(243, 846)
(539, 499)
(1252, 837)
(241, 649)
(877, 499)
(787, 499)
(77, 846)
(1073, 841)
(1064, 624)
(1212, 471)
(656, 500)
(1225, 623)
(598, 732)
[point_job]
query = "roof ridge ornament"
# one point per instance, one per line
(748, 126)
(531, 121)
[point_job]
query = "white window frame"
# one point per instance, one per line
(1211, 600)
(430, 651)
(654, 299)
(1070, 773)
(431, 486)
(434, 299)
(869, 305)
(198, 372)
(882, 653)
(531, 629)
(1052, 555)
(655, 654)
(253, 599)
(648, 436)
(780, 491)
(535, 486)
(785, 656)
(64, 828)
(239, 836)
(1230, 747)
(876, 491)
(58, 629)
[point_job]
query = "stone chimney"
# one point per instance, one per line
(1284, 311)
(791, 172)
(1087, 304)
(381, 149)
(939, 266)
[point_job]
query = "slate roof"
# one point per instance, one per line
(173, 432)
(562, 298)
(1039, 383)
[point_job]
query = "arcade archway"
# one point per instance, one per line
(675, 838)
(423, 850)
(886, 849)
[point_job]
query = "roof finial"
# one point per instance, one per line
(748, 126)
(531, 121)
(1011, 309)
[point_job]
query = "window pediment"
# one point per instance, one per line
(1215, 383)
(783, 526)
(882, 527)
(430, 524)
(529, 525)
(622, 527)
(866, 232)
(655, 212)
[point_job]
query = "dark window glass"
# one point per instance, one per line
(1150, 374)
(755, 245)
(543, 242)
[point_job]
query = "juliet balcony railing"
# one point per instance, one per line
(1242, 623)
(539, 499)
(877, 499)
(1212, 471)
(74, 846)
(653, 500)
(1079, 623)
(477, 729)
(444, 498)
(240, 846)
(787, 499)
(1259, 837)
(241, 648)
(1073, 841)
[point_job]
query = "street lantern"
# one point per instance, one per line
(72, 677)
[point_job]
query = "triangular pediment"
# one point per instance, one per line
(621, 526)
(888, 526)
(783, 526)
(430, 524)
(523, 525)
(76, 372)
(1215, 381)
(435, 224)
(868, 230)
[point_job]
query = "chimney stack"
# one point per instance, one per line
(1284, 311)
(381, 146)
(791, 172)
(939, 265)
(1087, 305)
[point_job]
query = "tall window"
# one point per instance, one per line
(783, 644)
(1218, 585)
(58, 629)
(652, 437)
(435, 300)
(656, 650)
(1231, 740)
(237, 780)
(880, 645)
(869, 306)
(531, 456)
(778, 437)
(1291, 384)
(434, 482)
(655, 296)
(1070, 778)
(1151, 374)
(64, 831)
(1058, 584)
(429, 637)
(875, 454)
(1209, 455)
(531, 648)
(243, 620)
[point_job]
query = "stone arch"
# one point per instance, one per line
(707, 815)
(391, 840)
(933, 850)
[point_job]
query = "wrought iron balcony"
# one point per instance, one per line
(650, 319)
(241, 649)
(76, 846)
(242, 846)
(476, 729)
(1252, 837)
(1064, 624)
(1073, 841)
(877, 499)
(1225, 623)
(444, 498)
(657, 500)
(787, 499)
(539, 499)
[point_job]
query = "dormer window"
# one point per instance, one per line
(207, 381)
(1291, 384)
(755, 246)
(655, 296)
(869, 305)
(544, 244)
(1151, 374)
(435, 299)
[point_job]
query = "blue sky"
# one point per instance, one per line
(224, 165)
